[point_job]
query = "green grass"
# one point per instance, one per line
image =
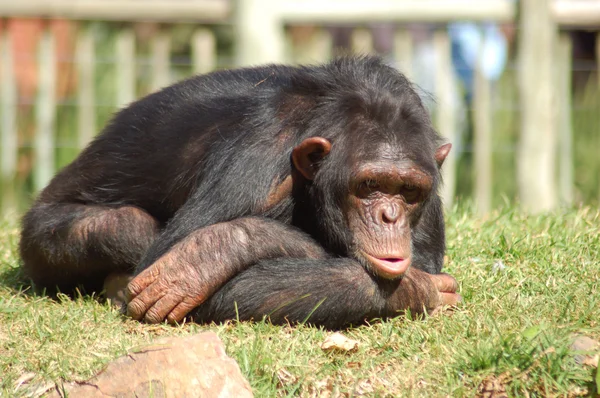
(513, 330)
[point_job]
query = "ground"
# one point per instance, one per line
(529, 283)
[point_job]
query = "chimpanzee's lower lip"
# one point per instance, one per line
(389, 266)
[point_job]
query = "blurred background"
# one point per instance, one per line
(514, 85)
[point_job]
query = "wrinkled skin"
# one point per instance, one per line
(280, 191)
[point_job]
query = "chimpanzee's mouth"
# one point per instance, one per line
(387, 266)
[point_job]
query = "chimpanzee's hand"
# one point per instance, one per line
(420, 292)
(446, 286)
(168, 289)
(190, 272)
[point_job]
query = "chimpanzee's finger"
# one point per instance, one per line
(445, 283)
(180, 311)
(451, 299)
(115, 287)
(159, 311)
(140, 282)
(145, 300)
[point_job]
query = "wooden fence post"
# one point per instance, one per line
(204, 49)
(362, 41)
(8, 126)
(482, 139)
(536, 156)
(260, 37)
(598, 57)
(313, 49)
(161, 58)
(403, 51)
(86, 107)
(125, 48)
(598, 76)
(44, 144)
(564, 59)
(445, 113)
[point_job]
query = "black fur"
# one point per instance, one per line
(206, 151)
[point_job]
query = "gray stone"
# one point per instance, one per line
(194, 366)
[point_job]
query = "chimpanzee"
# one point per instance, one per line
(301, 193)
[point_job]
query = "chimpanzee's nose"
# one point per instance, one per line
(389, 213)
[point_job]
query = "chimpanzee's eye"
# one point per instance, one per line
(411, 193)
(368, 186)
(371, 185)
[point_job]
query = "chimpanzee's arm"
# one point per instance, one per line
(331, 292)
(198, 265)
(231, 187)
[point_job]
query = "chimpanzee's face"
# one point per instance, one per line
(386, 194)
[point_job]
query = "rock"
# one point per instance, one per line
(194, 366)
(339, 342)
(587, 349)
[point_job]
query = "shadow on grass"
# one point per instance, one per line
(14, 279)
(15, 282)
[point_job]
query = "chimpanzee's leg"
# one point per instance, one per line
(68, 245)
(329, 292)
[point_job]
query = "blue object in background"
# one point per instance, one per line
(469, 40)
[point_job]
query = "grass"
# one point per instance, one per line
(530, 283)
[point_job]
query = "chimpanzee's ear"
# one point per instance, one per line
(307, 155)
(441, 154)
